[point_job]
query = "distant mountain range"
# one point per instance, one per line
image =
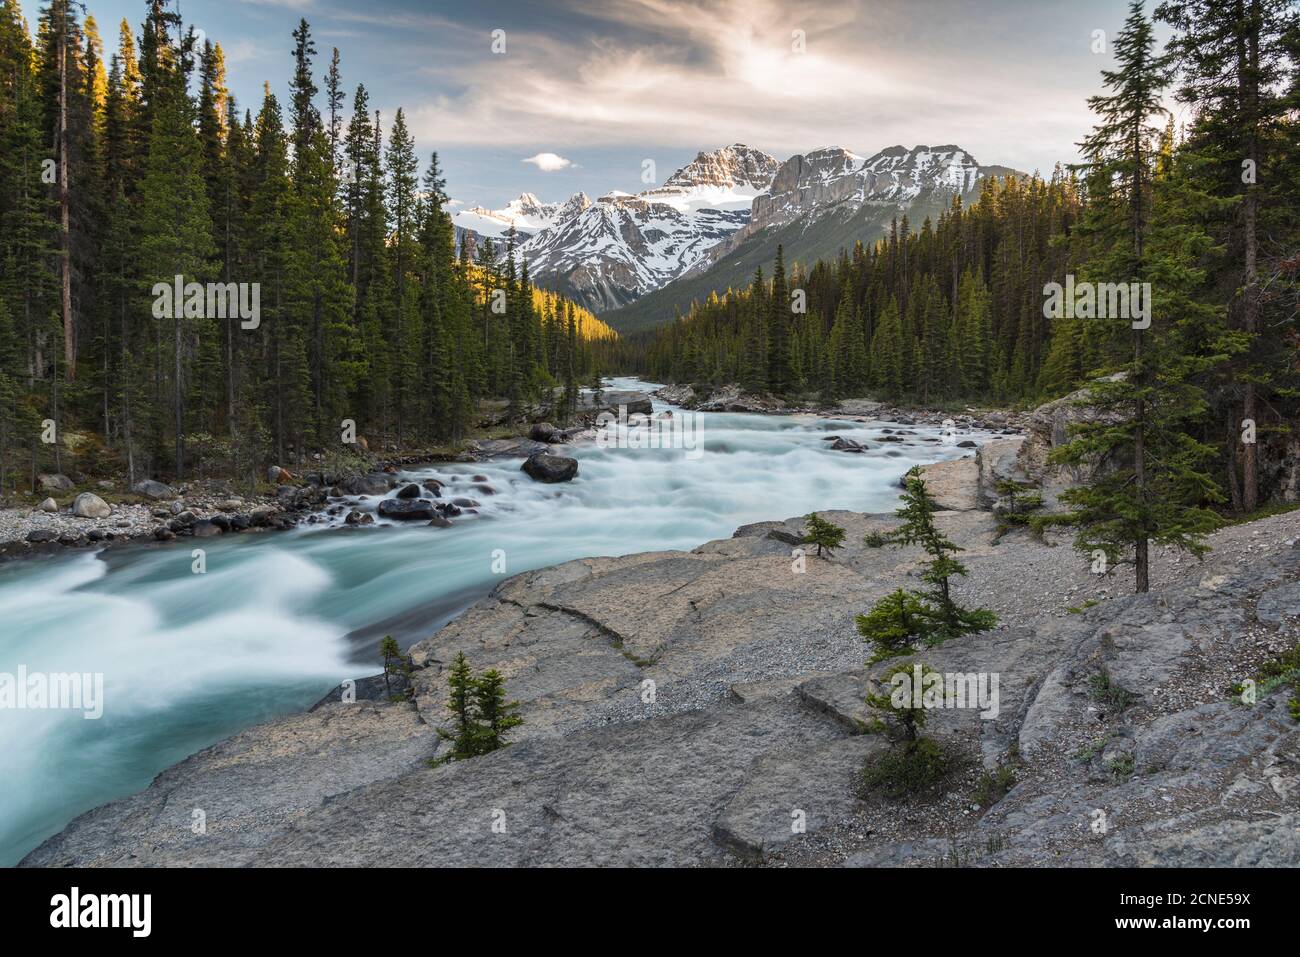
(637, 259)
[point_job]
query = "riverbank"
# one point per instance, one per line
(683, 707)
(104, 513)
(276, 620)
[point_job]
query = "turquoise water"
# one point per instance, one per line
(280, 618)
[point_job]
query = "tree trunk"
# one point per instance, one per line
(1248, 88)
(65, 236)
(178, 406)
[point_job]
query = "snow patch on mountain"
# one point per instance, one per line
(610, 251)
(526, 213)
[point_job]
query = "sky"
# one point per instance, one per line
(556, 96)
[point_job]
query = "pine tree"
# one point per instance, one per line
(465, 734)
(1231, 55)
(919, 528)
(827, 536)
(495, 714)
(391, 653)
(1148, 482)
(780, 369)
(895, 624)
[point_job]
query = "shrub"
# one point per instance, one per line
(1104, 689)
(909, 769)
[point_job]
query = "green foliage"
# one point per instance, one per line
(1104, 690)
(908, 770)
(913, 764)
(899, 712)
(1121, 766)
(1282, 671)
(993, 786)
(481, 714)
(947, 618)
(895, 624)
(495, 714)
(875, 539)
(825, 535)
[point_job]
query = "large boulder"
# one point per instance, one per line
(484, 449)
(1049, 427)
(154, 490)
(636, 403)
(56, 482)
(996, 462)
(953, 484)
(544, 432)
(376, 483)
(407, 510)
(841, 444)
(206, 528)
(550, 468)
(90, 505)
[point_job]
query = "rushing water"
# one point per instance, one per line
(280, 618)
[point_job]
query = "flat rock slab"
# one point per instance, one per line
(1279, 604)
(807, 789)
(645, 793)
(248, 787)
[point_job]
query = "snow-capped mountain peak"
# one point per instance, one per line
(610, 251)
(528, 214)
(726, 178)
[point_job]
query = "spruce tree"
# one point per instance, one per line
(827, 536)
(1148, 482)
(780, 369)
(495, 714)
(919, 528)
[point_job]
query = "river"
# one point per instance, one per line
(278, 619)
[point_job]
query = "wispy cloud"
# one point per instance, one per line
(785, 76)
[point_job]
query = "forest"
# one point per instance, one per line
(319, 288)
(1204, 214)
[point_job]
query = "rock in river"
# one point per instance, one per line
(550, 468)
(406, 510)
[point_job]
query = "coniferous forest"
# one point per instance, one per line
(1207, 212)
(126, 163)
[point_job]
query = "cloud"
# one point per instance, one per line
(548, 162)
(1007, 83)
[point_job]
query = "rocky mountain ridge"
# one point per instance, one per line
(818, 204)
(611, 252)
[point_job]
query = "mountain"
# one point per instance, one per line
(607, 253)
(526, 213)
(638, 258)
(819, 203)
